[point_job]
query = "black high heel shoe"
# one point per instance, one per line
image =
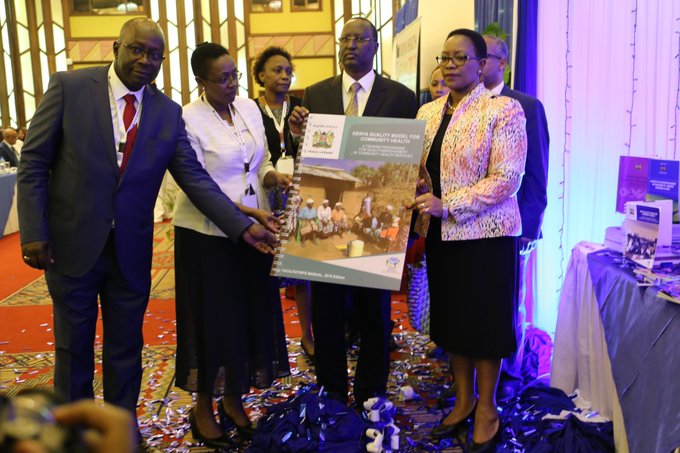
(227, 423)
(443, 430)
(220, 442)
(490, 445)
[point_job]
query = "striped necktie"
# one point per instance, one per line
(353, 106)
(128, 117)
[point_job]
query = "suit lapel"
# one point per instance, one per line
(149, 112)
(335, 96)
(376, 98)
(99, 90)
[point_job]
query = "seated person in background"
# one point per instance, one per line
(339, 219)
(385, 217)
(370, 223)
(7, 149)
(390, 233)
(324, 216)
(376, 227)
(21, 137)
(307, 220)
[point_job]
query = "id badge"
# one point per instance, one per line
(285, 165)
(250, 201)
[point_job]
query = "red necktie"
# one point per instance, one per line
(128, 116)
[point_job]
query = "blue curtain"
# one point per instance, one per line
(526, 60)
(490, 11)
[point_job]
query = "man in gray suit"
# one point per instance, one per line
(95, 155)
(7, 147)
(359, 91)
(532, 196)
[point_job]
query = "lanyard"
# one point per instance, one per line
(278, 124)
(119, 122)
(236, 135)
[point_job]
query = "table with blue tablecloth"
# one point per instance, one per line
(619, 344)
(7, 203)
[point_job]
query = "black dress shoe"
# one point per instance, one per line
(490, 445)
(443, 430)
(227, 423)
(223, 441)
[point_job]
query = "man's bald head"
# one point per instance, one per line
(9, 135)
(139, 52)
(139, 23)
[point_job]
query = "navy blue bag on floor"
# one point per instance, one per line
(525, 430)
(309, 422)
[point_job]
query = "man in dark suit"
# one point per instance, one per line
(531, 197)
(359, 91)
(7, 147)
(98, 147)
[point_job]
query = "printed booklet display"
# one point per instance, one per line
(645, 179)
(648, 228)
(633, 178)
(344, 220)
(663, 182)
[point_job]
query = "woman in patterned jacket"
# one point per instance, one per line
(471, 169)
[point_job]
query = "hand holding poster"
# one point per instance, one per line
(345, 220)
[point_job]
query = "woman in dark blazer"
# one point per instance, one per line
(273, 69)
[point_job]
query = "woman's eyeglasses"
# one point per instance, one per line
(226, 78)
(458, 60)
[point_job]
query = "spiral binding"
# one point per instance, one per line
(291, 205)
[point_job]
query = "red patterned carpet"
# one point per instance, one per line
(27, 352)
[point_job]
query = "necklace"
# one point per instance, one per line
(278, 124)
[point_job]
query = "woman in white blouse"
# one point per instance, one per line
(229, 323)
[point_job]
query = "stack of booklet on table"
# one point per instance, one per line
(648, 191)
(615, 237)
(665, 279)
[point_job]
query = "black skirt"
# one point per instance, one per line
(473, 294)
(230, 333)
